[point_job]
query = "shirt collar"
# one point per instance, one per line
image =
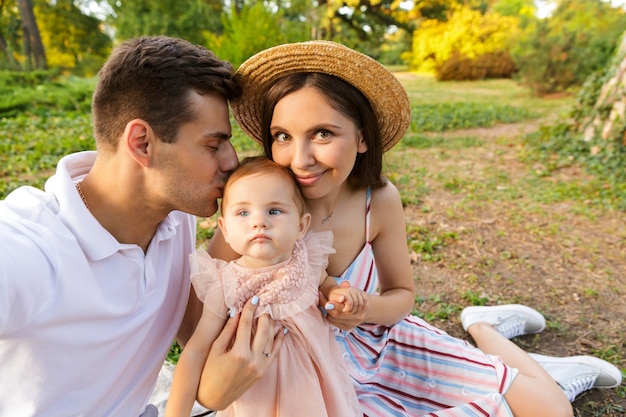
(96, 241)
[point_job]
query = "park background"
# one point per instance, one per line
(511, 173)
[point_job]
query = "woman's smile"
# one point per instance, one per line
(308, 179)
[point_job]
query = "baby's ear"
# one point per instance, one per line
(305, 222)
(222, 225)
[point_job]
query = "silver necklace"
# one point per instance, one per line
(327, 218)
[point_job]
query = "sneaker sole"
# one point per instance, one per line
(607, 369)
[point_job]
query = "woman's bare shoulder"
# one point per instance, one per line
(386, 195)
(387, 212)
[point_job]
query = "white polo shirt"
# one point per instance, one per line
(85, 322)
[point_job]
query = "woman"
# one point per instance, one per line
(328, 113)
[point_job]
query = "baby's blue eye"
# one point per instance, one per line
(243, 213)
(274, 212)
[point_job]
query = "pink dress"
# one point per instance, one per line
(309, 376)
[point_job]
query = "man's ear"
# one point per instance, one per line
(137, 139)
(305, 222)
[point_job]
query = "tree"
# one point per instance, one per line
(73, 40)
(249, 29)
(10, 33)
(561, 51)
(364, 24)
(33, 46)
(188, 19)
(515, 7)
(467, 34)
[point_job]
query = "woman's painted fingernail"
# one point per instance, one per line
(285, 330)
(232, 312)
(255, 300)
(329, 306)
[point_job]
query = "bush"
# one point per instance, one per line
(497, 64)
(42, 92)
(15, 79)
(560, 52)
(467, 33)
(250, 30)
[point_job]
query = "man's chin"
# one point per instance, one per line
(207, 210)
(207, 213)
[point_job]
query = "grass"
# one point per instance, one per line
(503, 198)
(55, 124)
(425, 89)
(474, 204)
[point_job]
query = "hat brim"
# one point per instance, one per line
(387, 96)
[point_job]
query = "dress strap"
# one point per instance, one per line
(368, 203)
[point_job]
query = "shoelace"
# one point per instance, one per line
(511, 327)
(575, 386)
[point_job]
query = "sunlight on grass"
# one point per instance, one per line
(425, 89)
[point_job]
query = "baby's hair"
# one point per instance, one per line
(260, 165)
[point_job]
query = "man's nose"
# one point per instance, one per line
(229, 160)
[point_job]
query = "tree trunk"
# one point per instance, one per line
(5, 48)
(10, 59)
(32, 37)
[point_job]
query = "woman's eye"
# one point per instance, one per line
(322, 134)
(281, 137)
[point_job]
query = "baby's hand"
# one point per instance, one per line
(348, 300)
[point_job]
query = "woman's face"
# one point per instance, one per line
(318, 143)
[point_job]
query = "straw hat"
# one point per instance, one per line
(385, 93)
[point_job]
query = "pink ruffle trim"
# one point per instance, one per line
(283, 290)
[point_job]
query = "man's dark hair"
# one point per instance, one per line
(151, 78)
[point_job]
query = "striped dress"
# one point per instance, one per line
(413, 368)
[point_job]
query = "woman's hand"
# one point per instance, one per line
(342, 319)
(238, 358)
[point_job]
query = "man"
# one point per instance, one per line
(94, 276)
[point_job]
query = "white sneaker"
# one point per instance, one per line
(576, 374)
(510, 319)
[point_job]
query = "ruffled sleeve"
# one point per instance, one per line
(206, 279)
(319, 246)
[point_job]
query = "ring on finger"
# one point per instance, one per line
(267, 354)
